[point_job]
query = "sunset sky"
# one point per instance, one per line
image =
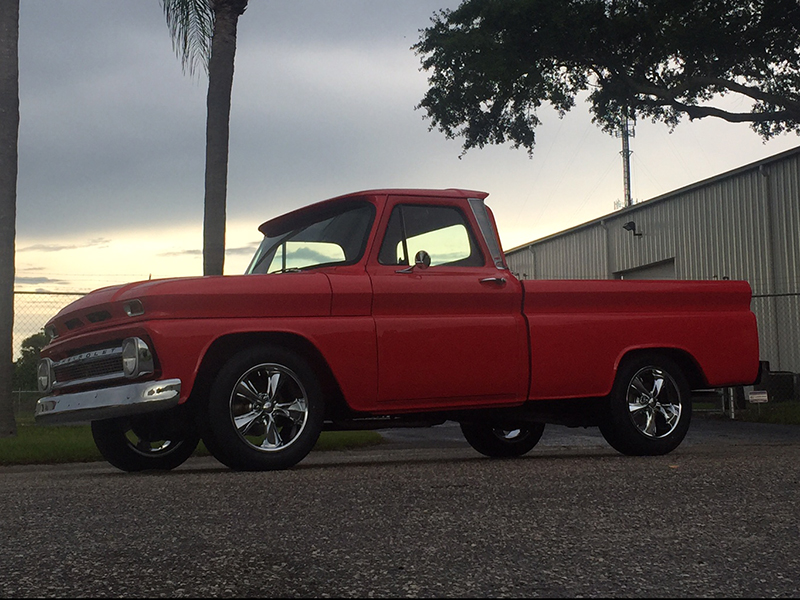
(112, 138)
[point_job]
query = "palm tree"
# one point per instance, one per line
(9, 132)
(204, 32)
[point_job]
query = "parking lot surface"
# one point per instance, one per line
(422, 515)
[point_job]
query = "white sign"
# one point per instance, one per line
(758, 396)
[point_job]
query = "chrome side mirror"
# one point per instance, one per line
(422, 259)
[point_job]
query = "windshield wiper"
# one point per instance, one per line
(309, 267)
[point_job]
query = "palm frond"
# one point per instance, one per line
(191, 25)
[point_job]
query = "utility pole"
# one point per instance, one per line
(627, 133)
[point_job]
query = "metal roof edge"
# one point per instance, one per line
(666, 196)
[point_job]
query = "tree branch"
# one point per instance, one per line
(698, 112)
(665, 97)
(750, 91)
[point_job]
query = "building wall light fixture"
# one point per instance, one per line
(631, 226)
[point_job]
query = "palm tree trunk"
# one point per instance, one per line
(9, 133)
(218, 105)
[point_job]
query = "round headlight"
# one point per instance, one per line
(136, 357)
(130, 358)
(44, 375)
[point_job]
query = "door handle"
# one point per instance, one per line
(497, 280)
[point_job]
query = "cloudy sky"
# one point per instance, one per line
(112, 137)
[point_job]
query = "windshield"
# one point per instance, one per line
(333, 240)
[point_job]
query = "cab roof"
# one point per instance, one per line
(287, 221)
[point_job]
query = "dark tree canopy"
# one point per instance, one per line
(25, 367)
(493, 63)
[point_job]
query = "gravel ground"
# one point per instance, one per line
(422, 515)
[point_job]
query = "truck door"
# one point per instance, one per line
(451, 334)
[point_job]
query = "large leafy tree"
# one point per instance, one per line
(493, 63)
(25, 367)
(9, 132)
(204, 33)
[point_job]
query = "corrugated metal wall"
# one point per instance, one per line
(744, 224)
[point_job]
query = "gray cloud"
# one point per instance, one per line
(112, 132)
(190, 252)
(242, 250)
(116, 137)
(95, 243)
(37, 280)
(48, 248)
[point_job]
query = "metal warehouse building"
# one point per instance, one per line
(743, 224)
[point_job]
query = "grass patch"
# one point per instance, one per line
(55, 444)
(346, 440)
(44, 445)
(778, 413)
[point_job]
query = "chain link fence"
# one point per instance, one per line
(24, 405)
(779, 329)
(32, 310)
(778, 324)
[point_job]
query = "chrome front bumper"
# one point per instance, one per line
(108, 403)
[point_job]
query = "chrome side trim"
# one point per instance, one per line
(87, 380)
(107, 403)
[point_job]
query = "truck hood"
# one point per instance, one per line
(303, 294)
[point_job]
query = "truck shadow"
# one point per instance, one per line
(347, 461)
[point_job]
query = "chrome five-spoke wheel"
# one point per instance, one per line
(649, 408)
(265, 410)
(269, 407)
(654, 402)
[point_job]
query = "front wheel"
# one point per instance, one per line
(138, 445)
(497, 442)
(265, 411)
(649, 408)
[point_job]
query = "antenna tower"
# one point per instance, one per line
(626, 133)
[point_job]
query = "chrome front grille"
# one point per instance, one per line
(89, 367)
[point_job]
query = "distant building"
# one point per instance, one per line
(743, 224)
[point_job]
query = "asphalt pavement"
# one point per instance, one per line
(422, 515)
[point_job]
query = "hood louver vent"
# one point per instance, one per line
(100, 315)
(73, 324)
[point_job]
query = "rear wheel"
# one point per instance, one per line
(497, 442)
(649, 408)
(265, 410)
(138, 445)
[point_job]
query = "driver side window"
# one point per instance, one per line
(441, 231)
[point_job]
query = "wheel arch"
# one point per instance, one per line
(230, 344)
(689, 367)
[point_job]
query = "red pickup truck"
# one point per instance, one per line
(379, 309)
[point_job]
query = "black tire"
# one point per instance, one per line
(649, 408)
(265, 410)
(497, 442)
(133, 445)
